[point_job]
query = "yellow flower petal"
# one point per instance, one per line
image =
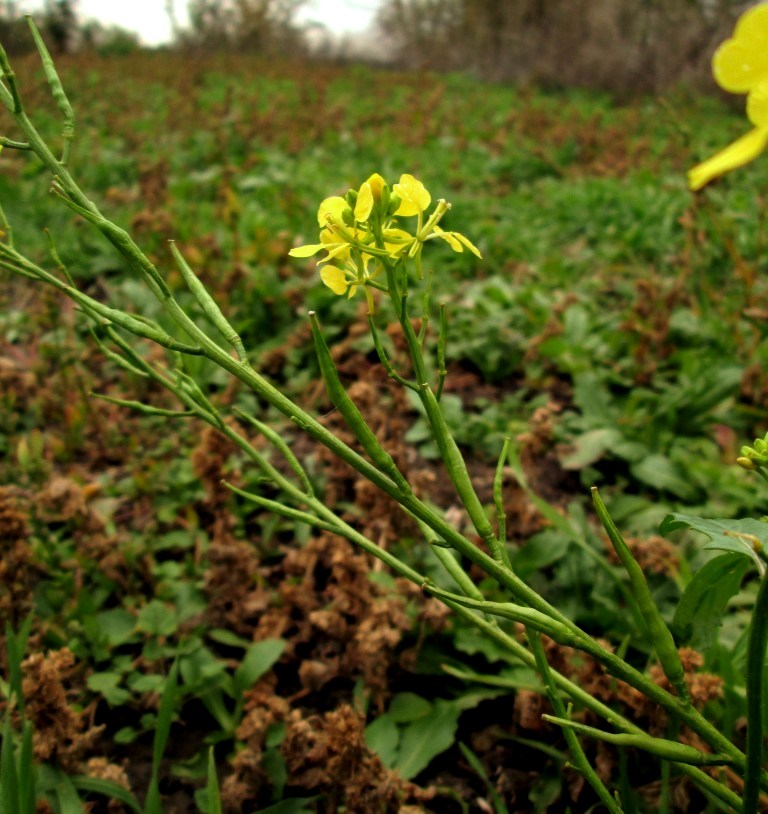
(306, 251)
(331, 208)
(742, 61)
(468, 243)
(414, 198)
(335, 279)
(757, 104)
(395, 240)
(741, 152)
(377, 184)
(449, 238)
(364, 203)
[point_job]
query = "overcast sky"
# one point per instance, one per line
(149, 20)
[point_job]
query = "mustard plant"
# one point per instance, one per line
(375, 238)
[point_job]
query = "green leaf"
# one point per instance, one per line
(116, 625)
(540, 550)
(258, 659)
(168, 703)
(106, 788)
(702, 606)
(214, 798)
(152, 682)
(382, 736)
(157, 618)
(406, 707)
(660, 472)
(737, 536)
(228, 638)
(591, 447)
(107, 685)
(426, 738)
(9, 791)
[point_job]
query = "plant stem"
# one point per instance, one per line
(758, 639)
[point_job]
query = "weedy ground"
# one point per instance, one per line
(614, 329)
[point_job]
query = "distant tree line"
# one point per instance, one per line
(62, 28)
(642, 45)
(618, 45)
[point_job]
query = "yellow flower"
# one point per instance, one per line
(740, 65)
(353, 239)
(414, 198)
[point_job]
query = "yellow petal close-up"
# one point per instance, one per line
(364, 203)
(414, 198)
(468, 243)
(757, 104)
(742, 61)
(449, 238)
(741, 152)
(335, 279)
(395, 240)
(331, 208)
(307, 251)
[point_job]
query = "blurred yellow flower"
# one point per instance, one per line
(740, 65)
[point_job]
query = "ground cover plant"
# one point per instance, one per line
(181, 624)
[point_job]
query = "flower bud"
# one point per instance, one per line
(378, 185)
(394, 203)
(351, 198)
(746, 463)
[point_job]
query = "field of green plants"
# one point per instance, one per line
(614, 330)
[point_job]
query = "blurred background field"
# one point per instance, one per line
(614, 328)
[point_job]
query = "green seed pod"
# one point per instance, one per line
(662, 639)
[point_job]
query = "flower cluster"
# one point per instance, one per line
(361, 233)
(740, 65)
(756, 456)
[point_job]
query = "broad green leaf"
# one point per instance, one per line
(258, 659)
(151, 682)
(157, 618)
(116, 625)
(108, 686)
(590, 447)
(701, 608)
(426, 738)
(540, 550)
(406, 707)
(382, 736)
(737, 536)
(661, 473)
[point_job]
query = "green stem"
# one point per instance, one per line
(581, 696)
(758, 639)
(577, 753)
